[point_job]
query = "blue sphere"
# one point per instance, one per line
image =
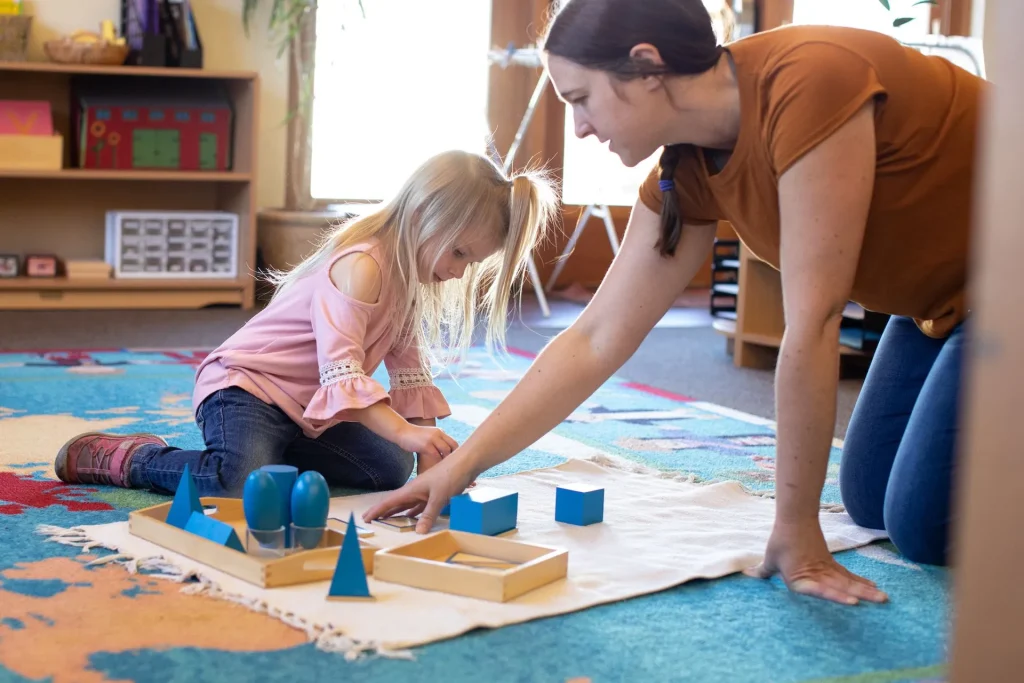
(311, 499)
(261, 501)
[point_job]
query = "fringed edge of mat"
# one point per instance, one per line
(327, 638)
(620, 463)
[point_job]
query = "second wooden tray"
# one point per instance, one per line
(472, 565)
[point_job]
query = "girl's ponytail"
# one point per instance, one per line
(671, 214)
(532, 206)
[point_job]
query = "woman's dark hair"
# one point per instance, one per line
(599, 34)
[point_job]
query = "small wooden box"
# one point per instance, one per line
(31, 152)
(426, 563)
(303, 566)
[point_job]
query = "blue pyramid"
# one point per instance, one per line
(186, 501)
(349, 581)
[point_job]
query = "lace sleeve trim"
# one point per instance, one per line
(410, 378)
(339, 370)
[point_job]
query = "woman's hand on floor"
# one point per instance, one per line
(801, 555)
(425, 495)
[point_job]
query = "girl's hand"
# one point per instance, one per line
(425, 494)
(429, 443)
(799, 552)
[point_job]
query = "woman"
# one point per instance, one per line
(840, 157)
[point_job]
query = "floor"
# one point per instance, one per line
(683, 354)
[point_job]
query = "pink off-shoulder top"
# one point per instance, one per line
(312, 351)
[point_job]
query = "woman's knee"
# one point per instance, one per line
(862, 484)
(861, 503)
(919, 536)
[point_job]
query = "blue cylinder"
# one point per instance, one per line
(284, 476)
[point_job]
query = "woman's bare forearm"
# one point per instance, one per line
(806, 384)
(566, 372)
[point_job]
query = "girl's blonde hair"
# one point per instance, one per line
(450, 195)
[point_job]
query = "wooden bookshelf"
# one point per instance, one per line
(755, 336)
(62, 212)
(104, 174)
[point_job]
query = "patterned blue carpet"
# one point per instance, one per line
(114, 626)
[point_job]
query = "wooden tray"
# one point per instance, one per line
(431, 563)
(303, 566)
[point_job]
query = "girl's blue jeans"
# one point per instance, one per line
(898, 464)
(242, 434)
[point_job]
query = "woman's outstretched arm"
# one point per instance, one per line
(639, 288)
(824, 199)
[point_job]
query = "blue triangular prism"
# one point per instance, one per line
(349, 579)
(186, 501)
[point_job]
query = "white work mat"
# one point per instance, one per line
(657, 533)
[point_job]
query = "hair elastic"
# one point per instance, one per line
(666, 185)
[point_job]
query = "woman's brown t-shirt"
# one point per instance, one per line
(798, 85)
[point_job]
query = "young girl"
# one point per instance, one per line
(295, 384)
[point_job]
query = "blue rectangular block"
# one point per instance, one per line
(484, 511)
(579, 504)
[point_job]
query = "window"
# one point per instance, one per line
(182, 116)
(129, 115)
(594, 175)
(394, 87)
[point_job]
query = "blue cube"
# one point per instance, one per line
(484, 511)
(579, 504)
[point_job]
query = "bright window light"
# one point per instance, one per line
(595, 175)
(392, 88)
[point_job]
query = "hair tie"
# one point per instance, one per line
(666, 185)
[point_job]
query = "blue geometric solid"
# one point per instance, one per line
(186, 501)
(349, 580)
(579, 504)
(484, 511)
(214, 530)
(285, 476)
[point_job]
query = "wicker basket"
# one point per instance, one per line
(14, 31)
(67, 51)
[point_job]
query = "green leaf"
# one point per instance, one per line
(902, 20)
(925, 2)
(885, 4)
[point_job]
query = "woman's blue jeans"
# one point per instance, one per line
(898, 463)
(242, 434)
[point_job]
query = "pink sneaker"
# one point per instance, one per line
(98, 458)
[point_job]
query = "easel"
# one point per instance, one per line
(592, 211)
(530, 57)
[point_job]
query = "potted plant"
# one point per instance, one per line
(287, 234)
